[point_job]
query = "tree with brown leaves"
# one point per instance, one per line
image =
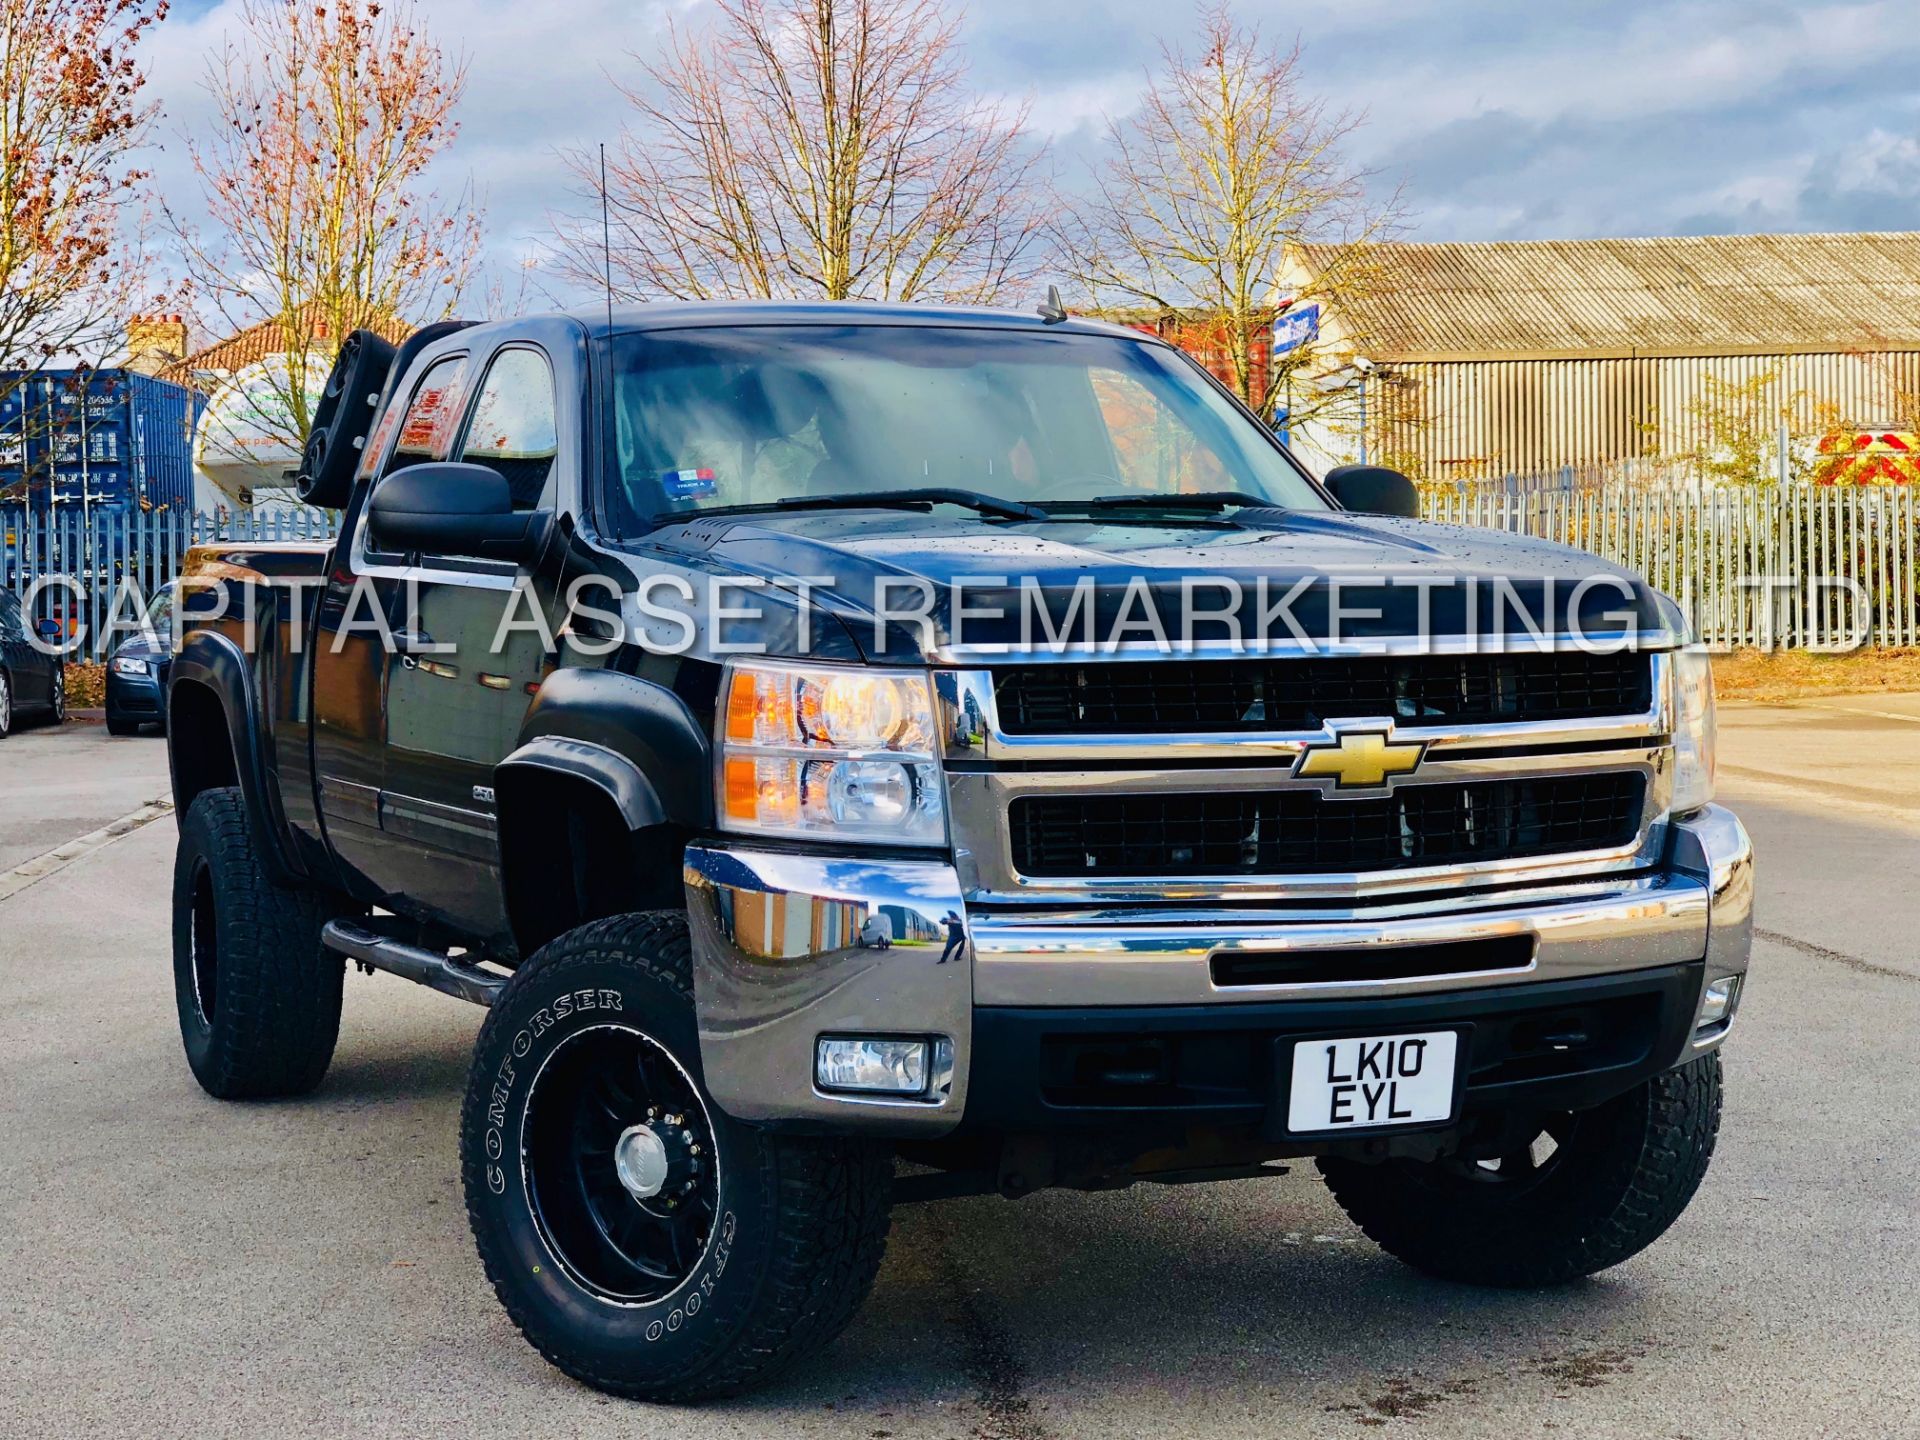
(1226, 162)
(321, 216)
(71, 118)
(813, 148)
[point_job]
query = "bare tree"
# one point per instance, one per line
(321, 215)
(1226, 164)
(71, 118)
(813, 148)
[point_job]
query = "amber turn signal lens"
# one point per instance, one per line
(742, 703)
(743, 785)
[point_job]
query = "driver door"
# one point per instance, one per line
(352, 665)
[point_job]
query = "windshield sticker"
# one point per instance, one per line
(689, 484)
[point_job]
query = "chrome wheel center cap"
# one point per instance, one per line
(640, 1159)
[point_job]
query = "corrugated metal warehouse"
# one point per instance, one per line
(1519, 357)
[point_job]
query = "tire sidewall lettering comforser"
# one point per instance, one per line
(539, 1019)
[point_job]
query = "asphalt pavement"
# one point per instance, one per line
(179, 1267)
(58, 783)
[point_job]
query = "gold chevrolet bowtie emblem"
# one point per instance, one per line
(1359, 759)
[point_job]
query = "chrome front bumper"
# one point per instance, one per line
(779, 957)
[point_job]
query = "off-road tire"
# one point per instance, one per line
(1629, 1169)
(269, 1025)
(799, 1223)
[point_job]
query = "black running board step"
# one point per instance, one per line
(411, 962)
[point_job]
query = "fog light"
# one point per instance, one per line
(1717, 1003)
(873, 1064)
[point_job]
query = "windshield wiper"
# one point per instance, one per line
(873, 499)
(1212, 500)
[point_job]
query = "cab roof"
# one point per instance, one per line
(691, 314)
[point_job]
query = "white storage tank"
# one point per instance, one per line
(243, 455)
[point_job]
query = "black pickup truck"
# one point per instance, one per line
(863, 754)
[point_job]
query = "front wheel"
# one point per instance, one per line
(1590, 1190)
(642, 1240)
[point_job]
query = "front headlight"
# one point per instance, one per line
(813, 750)
(1693, 729)
(128, 666)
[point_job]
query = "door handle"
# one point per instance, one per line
(408, 644)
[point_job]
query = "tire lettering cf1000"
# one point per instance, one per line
(702, 1287)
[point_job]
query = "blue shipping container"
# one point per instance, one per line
(110, 441)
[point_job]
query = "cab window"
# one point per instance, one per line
(426, 433)
(513, 431)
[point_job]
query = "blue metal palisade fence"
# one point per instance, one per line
(1793, 566)
(121, 557)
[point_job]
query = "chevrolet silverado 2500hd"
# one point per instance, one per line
(863, 754)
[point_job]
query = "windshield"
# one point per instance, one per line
(752, 415)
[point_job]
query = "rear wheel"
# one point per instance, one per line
(643, 1241)
(1588, 1190)
(6, 705)
(258, 995)
(58, 708)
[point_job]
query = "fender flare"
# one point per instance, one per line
(608, 770)
(212, 659)
(632, 738)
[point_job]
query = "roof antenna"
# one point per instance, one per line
(606, 239)
(1052, 312)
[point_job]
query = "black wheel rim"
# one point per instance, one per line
(588, 1104)
(203, 946)
(1523, 1167)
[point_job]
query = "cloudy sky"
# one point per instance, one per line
(1502, 119)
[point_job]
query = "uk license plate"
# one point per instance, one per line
(1362, 1082)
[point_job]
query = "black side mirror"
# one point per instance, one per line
(443, 507)
(1374, 490)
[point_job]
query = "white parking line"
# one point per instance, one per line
(13, 881)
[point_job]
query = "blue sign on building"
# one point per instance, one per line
(1296, 327)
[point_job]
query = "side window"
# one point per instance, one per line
(513, 429)
(11, 624)
(1153, 447)
(426, 433)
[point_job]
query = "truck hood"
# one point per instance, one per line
(1282, 575)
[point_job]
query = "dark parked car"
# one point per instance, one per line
(137, 674)
(31, 677)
